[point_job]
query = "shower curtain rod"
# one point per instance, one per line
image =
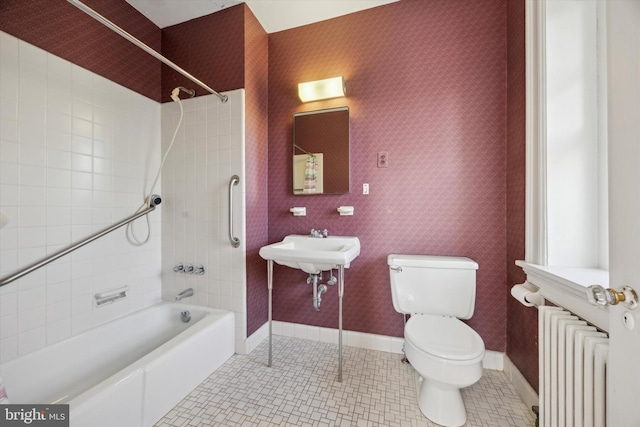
(86, 9)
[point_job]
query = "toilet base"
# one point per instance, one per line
(442, 404)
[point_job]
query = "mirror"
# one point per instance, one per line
(321, 151)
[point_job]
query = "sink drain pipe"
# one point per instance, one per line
(318, 290)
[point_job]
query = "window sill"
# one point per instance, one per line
(567, 287)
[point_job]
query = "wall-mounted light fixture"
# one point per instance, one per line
(322, 89)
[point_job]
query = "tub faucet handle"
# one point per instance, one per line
(199, 270)
(188, 269)
(178, 267)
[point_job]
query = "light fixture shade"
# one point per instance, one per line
(322, 89)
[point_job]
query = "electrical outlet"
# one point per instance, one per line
(365, 188)
(383, 159)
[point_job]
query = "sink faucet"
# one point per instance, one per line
(185, 294)
(319, 233)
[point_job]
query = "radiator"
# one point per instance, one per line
(573, 359)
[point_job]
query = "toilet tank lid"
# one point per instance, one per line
(432, 261)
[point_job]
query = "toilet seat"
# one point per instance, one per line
(444, 337)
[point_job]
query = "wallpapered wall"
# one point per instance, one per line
(522, 331)
(426, 82)
(438, 86)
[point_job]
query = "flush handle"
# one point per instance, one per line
(398, 269)
(598, 295)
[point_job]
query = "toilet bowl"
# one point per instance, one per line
(446, 352)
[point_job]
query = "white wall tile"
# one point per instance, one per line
(9, 325)
(8, 348)
(81, 144)
(82, 163)
(194, 222)
(8, 303)
(58, 331)
(32, 175)
(31, 340)
(32, 216)
(8, 173)
(31, 298)
(59, 184)
(9, 239)
(31, 319)
(32, 134)
(8, 45)
(30, 237)
(9, 151)
(33, 155)
(9, 129)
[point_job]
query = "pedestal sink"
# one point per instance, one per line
(312, 255)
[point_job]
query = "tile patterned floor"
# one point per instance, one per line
(301, 389)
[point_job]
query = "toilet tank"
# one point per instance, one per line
(428, 284)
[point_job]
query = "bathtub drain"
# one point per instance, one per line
(185, 316)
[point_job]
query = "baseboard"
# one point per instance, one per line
(492, 359)
(330, 335)
(253, 340)
(520, 383)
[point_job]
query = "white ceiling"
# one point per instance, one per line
(274, 15)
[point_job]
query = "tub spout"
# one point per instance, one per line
(184, 294)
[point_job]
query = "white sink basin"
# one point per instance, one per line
(313, 254)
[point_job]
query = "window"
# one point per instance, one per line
(567, 222)
(568, 154)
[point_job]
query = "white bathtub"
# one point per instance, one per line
(128, 372)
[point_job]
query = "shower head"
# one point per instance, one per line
(175, 93)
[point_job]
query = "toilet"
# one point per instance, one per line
(438, 291)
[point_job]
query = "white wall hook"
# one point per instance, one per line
(345, 210)
(298, 211)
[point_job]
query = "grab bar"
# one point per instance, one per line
(235, 242)
(153, 202)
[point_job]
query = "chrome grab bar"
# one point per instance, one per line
(153, 202)
(235, 242)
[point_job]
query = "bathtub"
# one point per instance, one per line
(128, 372)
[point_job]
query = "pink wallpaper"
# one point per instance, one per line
(60, 28)
(522, 322)
(426, 82)
(256, 54)
(210, 47)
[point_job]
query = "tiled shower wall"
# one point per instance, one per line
(208, 150)
(77, 154)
